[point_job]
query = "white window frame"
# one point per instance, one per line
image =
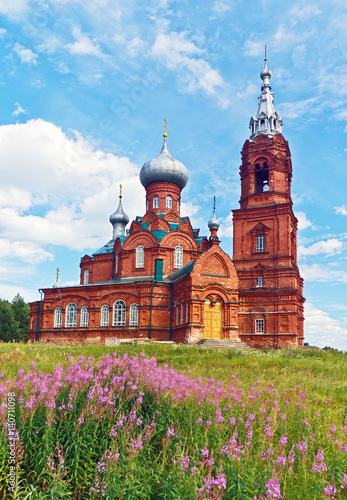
(71, 315)
(105, 315)
(178, 257)
(134, 315)
(140, 256)
(259, 326)
(58, 317)
(182, 309)
(84, 316)
(86, 277)
(169, 201)
(260, 243)
(116, 271)
(119, 313)
(155, 201)
(260, 281)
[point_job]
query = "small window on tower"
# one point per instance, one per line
(260, 242)
(260, 281)
(259, 326)
(86, 277)
(178, 205)
(156, 201)
(169, 201)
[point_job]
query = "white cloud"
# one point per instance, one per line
(83, 45)
(253, 48)
(341, 210)
(301, 13)
(25, 251)
(303, 221)
(56, 190)
(226, 227)
(2, 32)
(13, 8)
(330, 247)
(136, 46)
(322, 330)
(18, 109)
(180, 55)
(297, 109)
(26, 56)
(317, 272)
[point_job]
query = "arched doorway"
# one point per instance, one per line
(213, 318)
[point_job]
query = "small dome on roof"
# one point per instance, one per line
(164, 168)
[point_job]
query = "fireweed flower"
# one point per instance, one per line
(330, 491)
(319, 464)
(273, 488)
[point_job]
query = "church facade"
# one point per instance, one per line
(163, 281)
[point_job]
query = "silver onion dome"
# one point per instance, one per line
(214, 222)
(164, 168)
(119, 219)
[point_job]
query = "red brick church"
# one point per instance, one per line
(162, 280)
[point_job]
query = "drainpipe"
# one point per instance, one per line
(170, 311)
(38, 323)
(150, 311)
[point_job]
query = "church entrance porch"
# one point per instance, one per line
(213, 319)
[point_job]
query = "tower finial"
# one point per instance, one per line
(265, 59)
(165, 133)
(120, 191)
(214, 204)
(56, 284)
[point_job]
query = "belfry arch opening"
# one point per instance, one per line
(261, 177)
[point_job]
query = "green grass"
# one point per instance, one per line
(322, 373)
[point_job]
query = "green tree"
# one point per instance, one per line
(8, 325)
(21, 315)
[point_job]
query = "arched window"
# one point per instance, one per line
(177, 312)
(134, 315)
(147, 205)
(84, 316)
(58, 314)
(169, 201)
(119, 313)
(156, 201)
(71, 316)
(104, 315)
(116, 271)
(139, 256)
(178, 205)
(178, 257)
(187, 312)
(86, 277)
(182, 309)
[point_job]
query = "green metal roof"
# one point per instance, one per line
(159, 233)
(176, 275)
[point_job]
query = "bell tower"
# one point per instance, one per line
(265, 234)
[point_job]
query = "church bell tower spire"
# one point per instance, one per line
(267, 121)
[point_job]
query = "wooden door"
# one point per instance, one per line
(213, 315)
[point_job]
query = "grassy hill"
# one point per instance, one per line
(173, 421)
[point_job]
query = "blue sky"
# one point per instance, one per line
(85, 87)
